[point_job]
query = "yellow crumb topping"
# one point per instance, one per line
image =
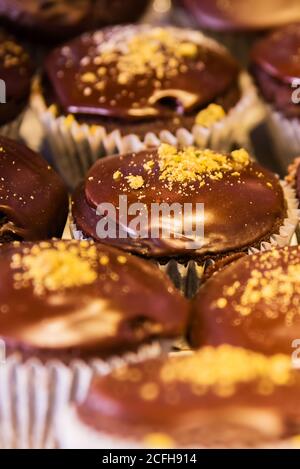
(158, 440)
(209, 116)
(192, 164)
(273, 281)
(53, 269)
(135, 182)
(221, 369)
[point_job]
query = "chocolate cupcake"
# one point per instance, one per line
(254, 303)
(244, 205)
(58, 20)
(16, 72)
(69, 309)
(275, 64)
(33, 198)
(237, 23)
(126, 88)
(218, 397)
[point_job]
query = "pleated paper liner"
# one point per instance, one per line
(285, 134)
(12, 129)
(32, 394)
(188, 277)
(75, 147)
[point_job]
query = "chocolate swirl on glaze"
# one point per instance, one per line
(275, 62)
(216, 397)
(242, 15)
(16, 71)
(33, 198)
(254, 303)
(242, 208)
(135, 73)
(67, 299)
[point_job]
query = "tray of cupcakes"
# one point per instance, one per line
(149, 257)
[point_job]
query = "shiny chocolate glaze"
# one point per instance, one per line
(275, 61)
(16, 71)
(56, 20)
(253, 303)
(181, 86)
(240, 211)
(215, 397)
(68, 299)
(33, 198)
(242, 15)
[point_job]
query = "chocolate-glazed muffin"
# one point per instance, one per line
(128, 87)
(242, 15)
(71, 310)
(56, 20)
(69, 299)
(244, 204)
(223, 397)
(275, 65)
(237, 23)
(33, 198)
(16, 72)
(254, 303)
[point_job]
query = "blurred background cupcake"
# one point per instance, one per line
(53, 21)
(33, 198)
(222, 397)
(237, 23)
(16, 71)
(126, 88)
(70, 310)
(275, 64)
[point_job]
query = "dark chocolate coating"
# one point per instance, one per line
(253, 303)
(16, 71)
(242, 15)
(206, 77)
(298, 181)
(239, 211)
(167, 400)
(33, 198)
(275, 61)
(55, 20)
(97, 303)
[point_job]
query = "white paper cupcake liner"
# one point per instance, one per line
(285, 134)
(187, 277)
(32, 394)
(75, 147)
(12, 129)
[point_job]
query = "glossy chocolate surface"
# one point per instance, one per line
(213, 397)
(66, 299)
(16, 71)
(253, 303)
(33, 198)
(242, 15)
(56, 20)
(276, 65)
(241, 209)
(135, 73)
